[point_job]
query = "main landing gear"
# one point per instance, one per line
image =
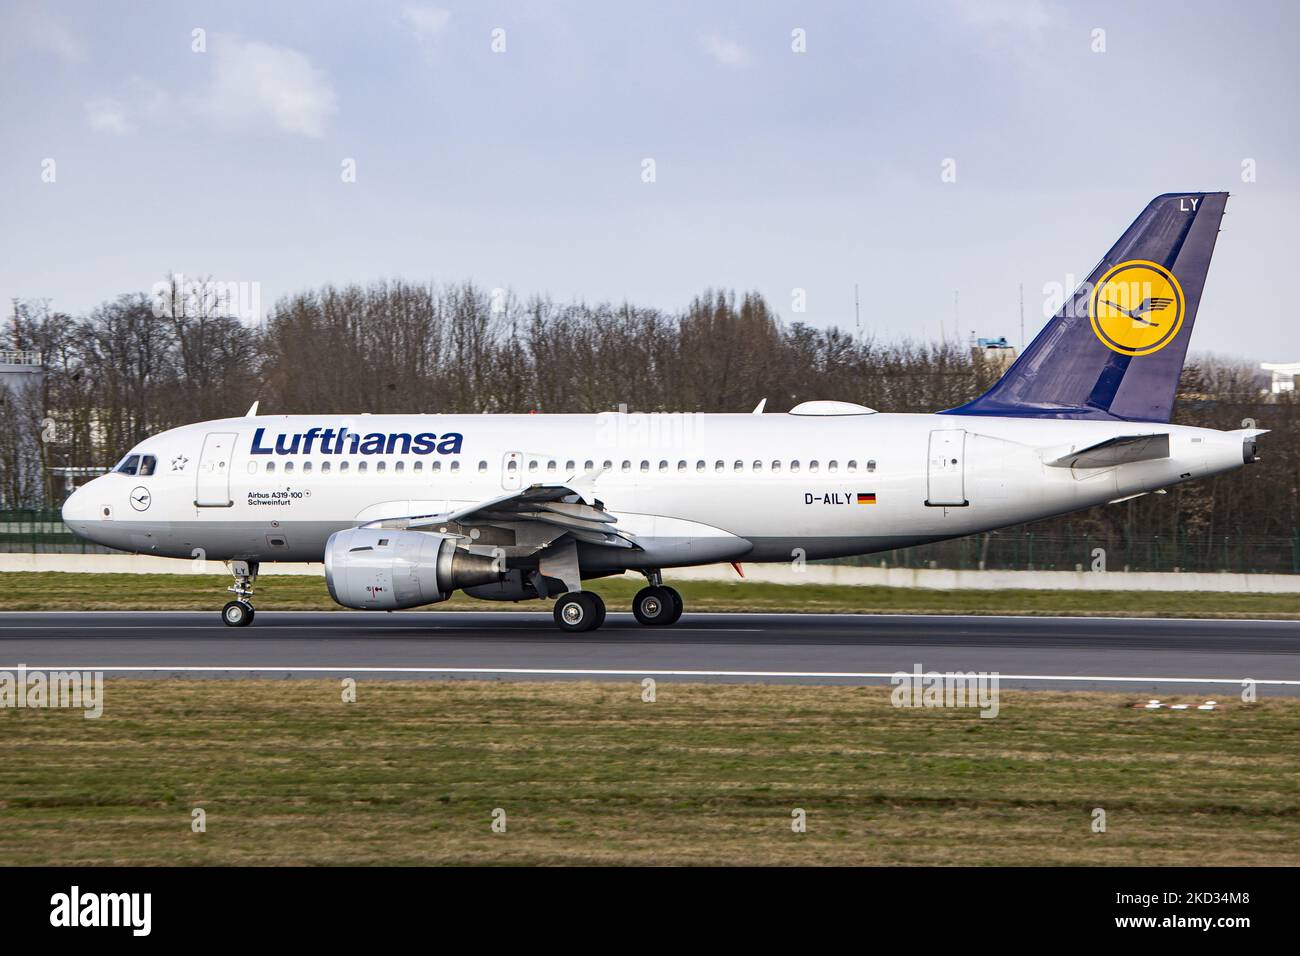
(657, 606)
(239, 612)
(579, 611)
(654, 606)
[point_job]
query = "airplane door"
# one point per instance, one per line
(512, 467)
(946, 485)
(213, 488)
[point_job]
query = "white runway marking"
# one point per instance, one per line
(624, 672)
(218, 626)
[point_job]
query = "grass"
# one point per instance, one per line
(48, 591)
(287, 773)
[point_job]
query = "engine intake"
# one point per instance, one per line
(376, 569)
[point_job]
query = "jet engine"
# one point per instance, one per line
(377, 569)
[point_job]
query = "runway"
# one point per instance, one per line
(1129, 654)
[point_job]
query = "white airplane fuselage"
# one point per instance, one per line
(688, 489)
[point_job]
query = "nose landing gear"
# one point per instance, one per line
(239, 612)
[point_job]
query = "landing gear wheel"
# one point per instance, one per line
(678, 605)
(237, 614)
(579, 611)
(655, 606)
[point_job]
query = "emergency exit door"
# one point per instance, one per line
(946, 486)
(213, 476)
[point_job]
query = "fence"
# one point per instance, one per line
(1021, 549)
(42, 532)
(1013, 549)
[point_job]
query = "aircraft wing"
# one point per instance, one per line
(522, 522)
(1119, 450)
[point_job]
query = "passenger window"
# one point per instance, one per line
(435, 467)
(361, 466)
(812, 465)
(400, 466)
(832, 466)
(455, 466)
(699, 465)
(130, 464)
(851, 466)
(569, 465)
(871, 465)
(608, 464)
(418, 466)
(381, 466)
(794, 465)
(550, 466)
(738, 466)
(532, 465)
(758, 466)
(482, 468)
(270, 467)
(588, 465)
(663, 466)
(306, 467)
(645, 466)
(681, 466)
(288, 467)
(719, 465)
(776, 467)
(512, 466)
(324, 467)
(344, 466)
(148, 464)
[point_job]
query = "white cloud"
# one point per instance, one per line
(1003, 26)
(427, 23)
(108, 115)
(725, 52)
(142, 103)
(34, 27)
(254, 84)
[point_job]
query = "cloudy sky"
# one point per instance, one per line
(507, 143)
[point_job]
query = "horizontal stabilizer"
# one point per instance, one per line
(1116, 451)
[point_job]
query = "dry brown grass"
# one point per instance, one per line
(587, 773)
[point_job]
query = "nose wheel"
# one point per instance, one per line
(239, 612)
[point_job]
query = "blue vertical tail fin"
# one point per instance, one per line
(1116, 348)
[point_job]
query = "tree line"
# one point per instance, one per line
(141, 363)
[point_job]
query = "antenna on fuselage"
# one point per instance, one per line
(252, 411)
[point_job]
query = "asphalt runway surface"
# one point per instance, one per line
(1203, 657)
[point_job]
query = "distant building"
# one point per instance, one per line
(996, 352)
(1284, 375)
(21, 369)
(22, 377)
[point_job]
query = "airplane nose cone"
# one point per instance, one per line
(86, 513)
(78, 507)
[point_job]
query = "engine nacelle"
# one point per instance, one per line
(375, 569)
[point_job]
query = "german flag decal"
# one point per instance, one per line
(866, 498)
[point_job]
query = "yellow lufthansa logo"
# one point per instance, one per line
(1137, 307)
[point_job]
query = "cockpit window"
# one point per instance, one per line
(142, 465)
